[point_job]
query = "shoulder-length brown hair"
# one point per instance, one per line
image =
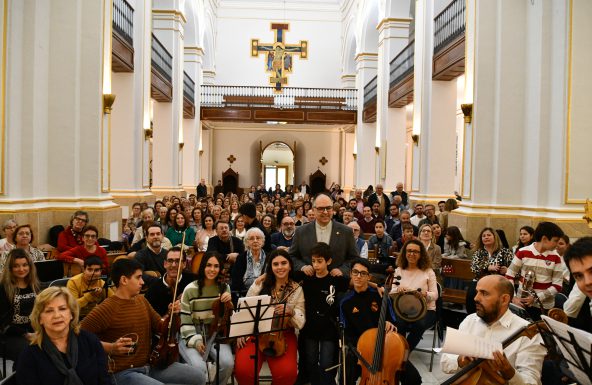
(8, 279)
(423, 263)
(41, 302)
(497, 244)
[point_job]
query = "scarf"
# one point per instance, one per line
(71, 377)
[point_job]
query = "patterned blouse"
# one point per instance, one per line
(482, 260)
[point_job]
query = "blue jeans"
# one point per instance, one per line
(320, 355)
(176, 373)
(193, 358)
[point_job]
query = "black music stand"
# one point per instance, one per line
(575, 347)
(258, 316)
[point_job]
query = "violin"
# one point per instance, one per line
(166, 350)
(220, 324)
(274, 344)
(382, 355)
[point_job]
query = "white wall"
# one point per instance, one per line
(241, 21)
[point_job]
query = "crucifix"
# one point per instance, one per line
(279, 55)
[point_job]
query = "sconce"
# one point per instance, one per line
(181, 145)
(376, 149)
(415, 139)
(108, 100)
(467, 110)
(148, 133)
(588, 212)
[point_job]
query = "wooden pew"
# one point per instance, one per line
(459, 269)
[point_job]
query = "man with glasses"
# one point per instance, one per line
(360, 311)
(160, 293)
(283, 238)
(324, 229)
(431, 218)
(72, 235)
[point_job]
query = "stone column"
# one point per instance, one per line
(366, 65)
(54, 125)
(192, 127)
(167, 22)
(393, 37)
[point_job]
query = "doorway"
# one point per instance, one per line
(277, 165)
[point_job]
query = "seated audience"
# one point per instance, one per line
(397, 229)
(269, 224)
(439, 236)
(382, 241)
(426, 236)
(153, 255)
(368, 221)
(136, 214)
(18, 288)
(208, 231)
(430, 213)
(407, 235)
(283, 238)
(454, 244)
(147, 216)
(225, 244)
(525, 238)
(61, 353)
(361, 244)
(22, 238)
(239, 230)
(87, 287)
(72, 235)
(91, 247)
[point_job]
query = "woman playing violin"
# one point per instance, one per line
(289, 297)
(416, 276)
(196, 316)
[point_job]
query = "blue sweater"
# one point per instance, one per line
(34, 366)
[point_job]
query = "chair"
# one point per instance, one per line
(48, 271)
(71, 269)
(10, 380)
(63, 282)
(460, 269)
(437, 329)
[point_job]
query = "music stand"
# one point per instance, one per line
(254, 316)
(575, 346)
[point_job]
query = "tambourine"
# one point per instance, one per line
(409, 306)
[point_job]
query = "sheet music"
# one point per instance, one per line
(583, 339)
(466, 344)
(241, 321)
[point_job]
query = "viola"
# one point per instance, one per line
(382, 355)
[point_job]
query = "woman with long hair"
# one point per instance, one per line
(170, 222)
(22, 238)
(490, 257)
(61, 353)
(525, 238)
(234, 210)
(196, 214)
(299, 217)
(426, 236)
(207, 232)
(196, 316)
(288, 297)
(268, 223)
(418, 278)
(454, 243)
(18, 288)
(179, 229)
(239, 230)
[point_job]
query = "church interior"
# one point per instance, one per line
(106, 103)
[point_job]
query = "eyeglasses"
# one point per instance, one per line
(90, 236)
(413, 252)
(358, 273)
(24, 233)
(81, 219)
(173, 261)
(288, 224)
(325, 209)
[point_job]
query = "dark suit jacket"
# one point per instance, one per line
(343, 246)
(387, 202)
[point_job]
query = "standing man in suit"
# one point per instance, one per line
(324, 229)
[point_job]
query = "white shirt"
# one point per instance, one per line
(574, 302)
(323, 232)
(416, 219)
(525, 355)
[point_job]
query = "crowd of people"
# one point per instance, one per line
(314, 256)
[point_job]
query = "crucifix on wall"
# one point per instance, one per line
(231, 159)
(279, 55)
(323, 161)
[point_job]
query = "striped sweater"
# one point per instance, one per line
(548, 271)
(197, 310)
(117, 317)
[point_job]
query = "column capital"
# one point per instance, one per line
(393, 23)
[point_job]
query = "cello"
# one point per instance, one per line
(382, 355)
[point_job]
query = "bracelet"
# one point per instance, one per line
(112, 348)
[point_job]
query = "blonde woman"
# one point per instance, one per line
(61, 353)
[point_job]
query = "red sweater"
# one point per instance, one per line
(80, 252)
(67, 240)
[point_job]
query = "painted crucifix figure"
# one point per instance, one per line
(279, 55)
